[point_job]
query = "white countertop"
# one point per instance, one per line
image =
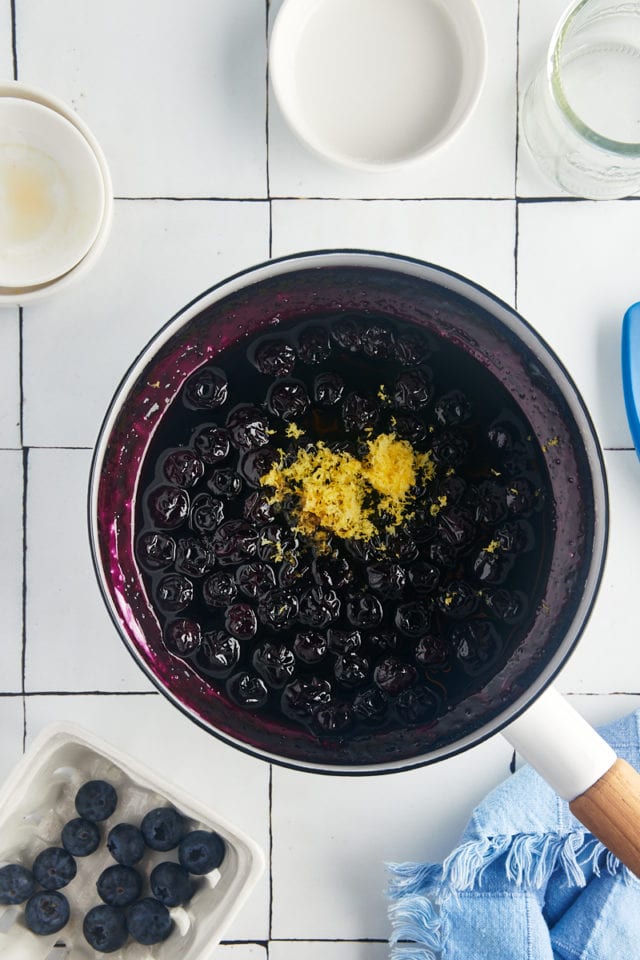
(208, 180)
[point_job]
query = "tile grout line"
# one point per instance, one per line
(14, 39)
(266, 130)
(516, 244)
(270, 789)
(23, 659)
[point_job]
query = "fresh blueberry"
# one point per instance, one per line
(96, 800)
(105, 928)
(80, 837)
(126, 844)
(54, 868)
(16, 883)
(201, 851)
(119, 885)
(46, 912)
(149, 921)
(170, 883)
(163, 828)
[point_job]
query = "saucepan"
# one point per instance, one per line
(471, 337)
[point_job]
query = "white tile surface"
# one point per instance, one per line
(71, 642)
(9, 377)
(12, 728)
(156, 735)
(295, 950)
(78, 345)
(333, 835)
(175, 93)
(475, 238)
(11, 578)
(6, 53)
(478, 162)
(577, 275)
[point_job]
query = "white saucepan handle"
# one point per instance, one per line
(603, 791)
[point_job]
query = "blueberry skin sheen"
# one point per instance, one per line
(126, 844)
(201, 851)
(149, 921)
(16, 884)
(119, 886)
(96, 800)
(170, 884)
(105, 928)
(46, 912)
(80, 837)
(54, 868)
(163, 828)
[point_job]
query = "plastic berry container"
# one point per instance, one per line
(38, 798)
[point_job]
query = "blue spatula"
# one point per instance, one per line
(631, 370)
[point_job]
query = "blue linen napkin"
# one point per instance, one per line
(527, 882)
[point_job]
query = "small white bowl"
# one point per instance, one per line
(377, 84)
(11, 296)
(51, 194)
(37, 800)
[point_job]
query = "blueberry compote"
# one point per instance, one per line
(337, 625)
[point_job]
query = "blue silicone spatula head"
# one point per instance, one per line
(631, 370)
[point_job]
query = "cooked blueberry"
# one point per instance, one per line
(119, 885)
(515, 537)
(211, 443)
(424, 577)
(520, 496)
(240, 621)
(275, 541)
(201, 851)
(359, 412)
(351, 669)
(452, 487)
(348, 332)
(400, 545)
(207, 513)
(183, 468)
(257, 509)
(413, 390)
(378, 341)
(105, 928)
(492, 566)
(476, 645)
(407, 427)
(225, 482)
(288, 399)
(193, 557)
(54, 868)
(383, 640)
(332, 572)
(156, 550)
(502, 435)
(256, 463)
(412, 619)
(16, 883)
(310, 646)
(371, 705)
(255, 579)
(313, 345)
(168, 506)
(343, 641)
(489, 502)
(248, 426)
(182, 637)
(174, 592)
(206, 389)
(96, 800)
(387, 579)
(301, 697)
(218, 654)
(149, 921)
(247, 691)
(334, 718)
(275, 663)
(431, 651)
(449, 449)
(417, 705)
(234, 542)
(163, 828)
(126, 844)
(455, 525)
(458, 600)
(219, 590)
(393, 675)
(319, 606)
(507, 605)
(275, 358)
(278, 609)
(328, 389)
(412, 346)
(452, 408)
(46, 912)
(170, 883)
(442, 554)
(364, 611)
(293, 573)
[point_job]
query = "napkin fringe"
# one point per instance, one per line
(529, 861)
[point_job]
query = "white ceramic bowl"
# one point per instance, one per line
(376, 84)
(10, 296)
(38, 799)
